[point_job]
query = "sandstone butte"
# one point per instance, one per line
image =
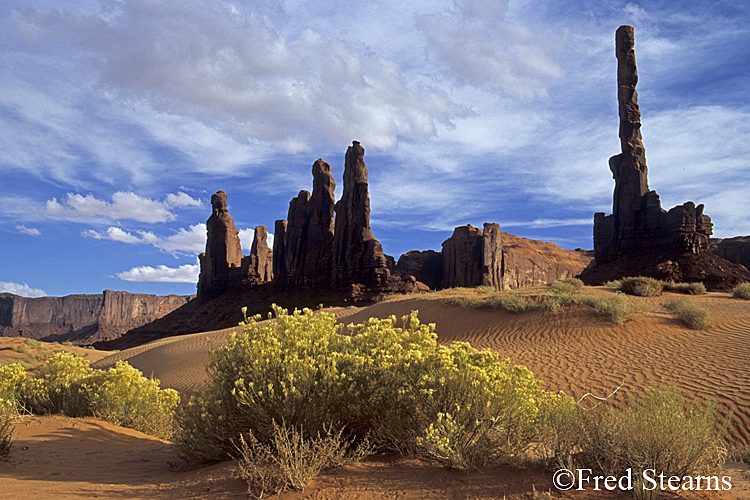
(82, 319)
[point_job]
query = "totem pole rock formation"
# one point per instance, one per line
(223, 252)
(640, 238)
(638, 223)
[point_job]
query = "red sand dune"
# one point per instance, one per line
(575, 351)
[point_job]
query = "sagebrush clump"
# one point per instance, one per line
(67, 384)
(641, 286)
(663, 430)
(690, 313)
(742, 291)
(615, 307)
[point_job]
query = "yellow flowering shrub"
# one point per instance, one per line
(380, 380)
(121, 395)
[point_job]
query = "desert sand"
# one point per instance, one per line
(574, 351)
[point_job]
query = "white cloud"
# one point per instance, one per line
(124, 205)
(162, 274)
(182, 200)
(234, 65)
(21, 289)
(190, 240)
(31, 231)
(483, 47)
(246, 239)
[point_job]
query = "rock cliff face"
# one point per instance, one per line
(222, 262)
(489, 257)
(641, 238)
(736, 250)
(473, 257)
(357, 256)
(426, 267)
(528, 263)
(82, 319)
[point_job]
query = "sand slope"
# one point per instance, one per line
(57, 457)
(574, 351)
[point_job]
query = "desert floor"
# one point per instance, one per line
(576, 351)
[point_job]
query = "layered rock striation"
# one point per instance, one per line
(82, 319)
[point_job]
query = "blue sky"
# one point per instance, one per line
(119, 119)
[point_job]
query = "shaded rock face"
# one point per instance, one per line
(303, 244)
(221, 263)
(426, 267)
(258, 266)
(357, 256)
(82, 319)
(638, 222)
(736, 250)
(473, 257)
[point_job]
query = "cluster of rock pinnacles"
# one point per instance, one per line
(328, 244)
(325, 244)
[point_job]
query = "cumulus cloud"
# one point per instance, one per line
(246, 239)
(31, 231)
(21, 289)
(231, 63)
(190, 240)
(162, 274)
(124, 205)
(482, 46)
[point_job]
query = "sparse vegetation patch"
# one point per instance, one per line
(690, 313)
(641, 286)
(742, 291)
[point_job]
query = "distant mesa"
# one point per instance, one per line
(640, 237)
(82, 319)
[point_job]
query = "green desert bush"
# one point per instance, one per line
(742, 291)
(510, 302)
(690, 313)
(663, 430)
(566, 286)
(616, 307)
(122, 395)
(641, 286)
(380, 380)
(686, 288)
